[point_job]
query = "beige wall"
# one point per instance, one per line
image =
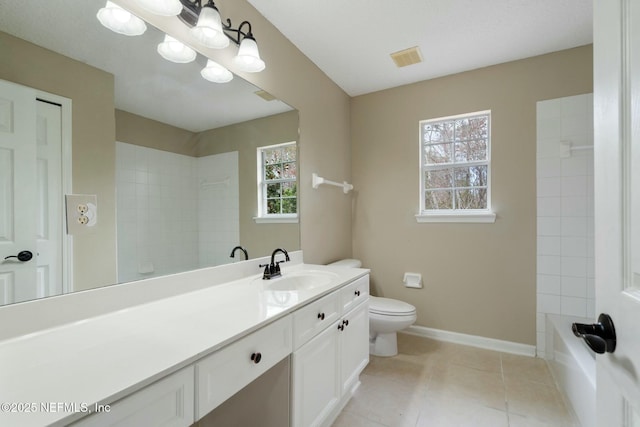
(479, 279)
(93, 130)
(245, 137)
(134, 129)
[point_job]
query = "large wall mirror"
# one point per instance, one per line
(170, 157)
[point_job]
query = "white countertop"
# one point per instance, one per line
(102, 359)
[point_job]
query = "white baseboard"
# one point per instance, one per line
(472, 340)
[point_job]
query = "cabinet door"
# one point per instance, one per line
(316, 380)
(354, 346)
(168, 402)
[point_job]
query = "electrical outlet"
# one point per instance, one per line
(82, 213)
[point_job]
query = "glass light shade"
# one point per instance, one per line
(248, 57)
(161, 7)
(120, 21)
(175, 51)
(216, 73)
(208, 30)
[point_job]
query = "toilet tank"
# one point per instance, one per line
(353, 263)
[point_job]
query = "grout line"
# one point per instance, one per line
(504, 384)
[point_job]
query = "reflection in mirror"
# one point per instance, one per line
(170, 156)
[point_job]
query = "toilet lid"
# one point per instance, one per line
(390, 307)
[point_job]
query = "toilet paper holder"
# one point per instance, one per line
(412, 280)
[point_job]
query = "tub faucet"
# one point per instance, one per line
(273, 269)
(233, 252)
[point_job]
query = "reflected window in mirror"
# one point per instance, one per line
(278, 183)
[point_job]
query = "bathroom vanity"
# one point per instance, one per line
(173, 360)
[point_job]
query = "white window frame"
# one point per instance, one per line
(263, 217)
(455, 215)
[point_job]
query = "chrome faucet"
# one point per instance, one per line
(233, 252)
(273, 269)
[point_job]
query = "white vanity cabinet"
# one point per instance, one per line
(326, 368)
(327, 338)
(167, 402)
(354, 346)
(222, 374)
(315, 378)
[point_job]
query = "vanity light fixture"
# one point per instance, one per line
(161, 7)
(209, 29)
(175, 51)
(120, 20)
(248, 57)
(216, 73)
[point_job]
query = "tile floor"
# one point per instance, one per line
(433, 383)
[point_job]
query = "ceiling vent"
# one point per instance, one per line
(265, 95)
(406, 57)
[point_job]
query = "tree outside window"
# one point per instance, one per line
(278, 187)
(455, 163)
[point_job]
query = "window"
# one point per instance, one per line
(455, 169)
(277, 183)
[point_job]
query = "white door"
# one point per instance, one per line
(17, 190)
(49, 229)
(617, 204)
(30, 196)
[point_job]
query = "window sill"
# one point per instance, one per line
(276, 219)
(462, 217)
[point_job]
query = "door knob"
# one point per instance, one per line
(22, 256)
(600, 337)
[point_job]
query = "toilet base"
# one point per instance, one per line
(385, 345)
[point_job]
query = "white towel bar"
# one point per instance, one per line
(206, 184)
(317, 180)
(566, 147)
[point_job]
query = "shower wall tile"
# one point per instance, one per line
(549, 245)
(565, 252)
(158, 212)
(549, 284)
(572, 306)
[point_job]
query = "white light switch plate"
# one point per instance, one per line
(82, 212)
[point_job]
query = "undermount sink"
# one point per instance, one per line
(300, 280)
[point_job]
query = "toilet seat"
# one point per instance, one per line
(390, 307)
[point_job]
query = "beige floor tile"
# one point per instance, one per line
(526, 369)
(476, 386)
(431, 353)
(406, 371)
(387, 402)
(347, 419)
(521, 421)
(536, 401)
(432, 383)
(477, 358)
(417, 346)
(452, 412)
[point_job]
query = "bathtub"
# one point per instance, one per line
(573, 366)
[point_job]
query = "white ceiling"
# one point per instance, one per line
(350, 40)
(181, 97)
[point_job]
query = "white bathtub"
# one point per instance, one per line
(573, 366)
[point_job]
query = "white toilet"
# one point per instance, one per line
(386, 317)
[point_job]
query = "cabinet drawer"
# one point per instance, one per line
(222, 374)
(354, 293)
(168, 402)
(313, 318)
